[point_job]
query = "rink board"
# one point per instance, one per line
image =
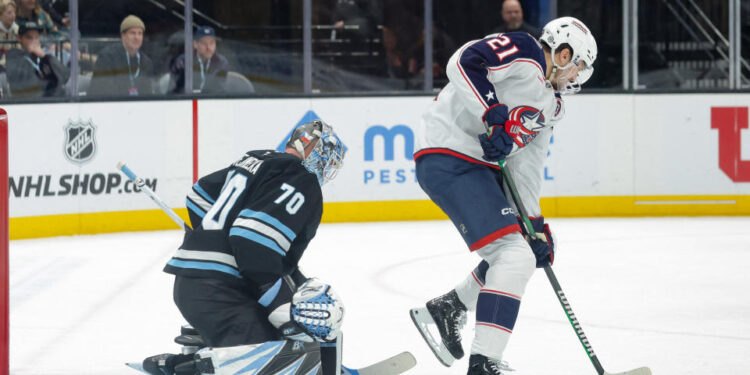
(613, 155)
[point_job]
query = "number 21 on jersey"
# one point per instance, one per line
(501, 42)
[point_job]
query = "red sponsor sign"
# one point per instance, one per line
(730, 121)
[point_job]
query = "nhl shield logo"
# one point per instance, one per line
(80, 146)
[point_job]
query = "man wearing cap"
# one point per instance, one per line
(209, 66)
(123, 69)
(31, 72)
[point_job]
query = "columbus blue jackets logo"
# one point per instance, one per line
(531, 120)
(80, 144)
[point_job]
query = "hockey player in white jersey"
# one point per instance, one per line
(501, 103)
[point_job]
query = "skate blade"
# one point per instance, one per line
(422, 320)
(137, 367)
(638, 371)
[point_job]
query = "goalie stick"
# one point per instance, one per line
(139, 183)
(558, 289)
(394, 365)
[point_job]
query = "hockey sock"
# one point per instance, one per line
(468, 289)
(511, 264)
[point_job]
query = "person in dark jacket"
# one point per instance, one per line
(31, 72)
(122, 69)
(512, 15)
(209, 66)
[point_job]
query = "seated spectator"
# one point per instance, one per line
(30, 10)
(8, 26)
(209, 66)
(512, 15)
(122, 69)
(58, 11)
(31, 72)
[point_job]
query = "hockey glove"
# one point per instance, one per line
(498, 142)
(543, 245)
(315, 313)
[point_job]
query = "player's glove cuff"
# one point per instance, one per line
(543, 245)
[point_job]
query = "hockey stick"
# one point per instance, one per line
(558, 289)
(139, 183)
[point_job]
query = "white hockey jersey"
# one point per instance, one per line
(507, 69)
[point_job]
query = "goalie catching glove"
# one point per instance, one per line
(314, 314)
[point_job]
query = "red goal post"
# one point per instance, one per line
(4, 272)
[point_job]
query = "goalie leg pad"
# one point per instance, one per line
(273, 357)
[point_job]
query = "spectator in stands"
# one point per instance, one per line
(512, 15)
(8, 26)
(32, 72)
(402, 34)
(122, 68)
(30, 10)
(364, 14)
(58, 11)
(209, 67)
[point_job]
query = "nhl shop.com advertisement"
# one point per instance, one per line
(64, 157)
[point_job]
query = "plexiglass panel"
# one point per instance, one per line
(367, 45)
(126, 47)
(261, 41)
(34, 50)
(683, 44)
(745, 43)
(604, 18)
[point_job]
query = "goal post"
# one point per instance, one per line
(4, 270)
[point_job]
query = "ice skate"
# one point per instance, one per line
(448, 314)
(481, 365)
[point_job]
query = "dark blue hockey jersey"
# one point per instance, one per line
(252, 221)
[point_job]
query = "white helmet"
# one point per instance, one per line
(571, 31)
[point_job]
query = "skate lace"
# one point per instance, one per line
(499, 366)
(459, 321)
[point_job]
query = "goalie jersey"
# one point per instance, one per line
(251, 221)
(506, 69)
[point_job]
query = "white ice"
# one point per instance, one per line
(669, 293)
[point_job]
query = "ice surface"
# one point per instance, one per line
(669, 293)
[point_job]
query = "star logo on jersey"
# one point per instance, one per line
(531, 119)
(490, 96)
(529, 122)
(80, 145)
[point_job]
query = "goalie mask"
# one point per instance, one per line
(571, 32)
(327, 154)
